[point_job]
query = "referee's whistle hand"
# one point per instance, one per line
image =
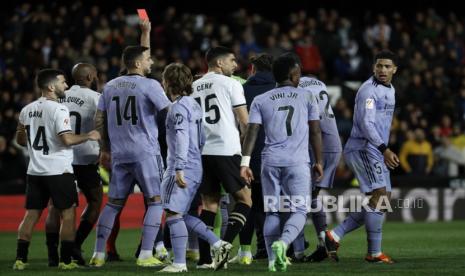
(246, 174)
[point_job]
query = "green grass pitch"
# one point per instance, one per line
(418, 248)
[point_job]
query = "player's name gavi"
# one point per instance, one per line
(75, 100)
(282, 96)
(35, 114)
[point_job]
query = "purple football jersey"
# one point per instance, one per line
(185, 138)
(284, 113)
(373, 111)
(329, 133)
(131, 103)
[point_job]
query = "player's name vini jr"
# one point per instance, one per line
(282, 96)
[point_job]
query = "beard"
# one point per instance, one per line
(147, 71)
(61, 95)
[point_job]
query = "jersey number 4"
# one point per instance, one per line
(130, 111)
(40, 137)
(210, 106)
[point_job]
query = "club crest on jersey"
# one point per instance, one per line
(66, 122)
(179, 119)
(370, 104)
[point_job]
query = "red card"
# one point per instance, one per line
(142, 14)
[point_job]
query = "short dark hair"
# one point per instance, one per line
(46, 76)
(282, 67)
(216, 52)
(386, 54)
(262, 62)
(131, 53)
(179, 79)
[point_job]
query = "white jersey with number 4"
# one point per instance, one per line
(45, 120)
(82, 104)
(218, 95)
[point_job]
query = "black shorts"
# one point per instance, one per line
(87, 177)
(221, 171)
(60, 188)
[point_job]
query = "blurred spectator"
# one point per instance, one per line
(449, 158)
(416, 154)
(445, 126)
(309, 56)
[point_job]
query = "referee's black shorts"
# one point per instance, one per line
(60, 188)
(221, 171)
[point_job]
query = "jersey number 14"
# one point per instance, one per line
(130, 111)
(40, 138)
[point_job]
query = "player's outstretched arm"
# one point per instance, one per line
(145, 27)
(21, 135)
(70, 139)
(315, 142)
(247, 149)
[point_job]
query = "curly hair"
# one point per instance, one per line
(177, 78)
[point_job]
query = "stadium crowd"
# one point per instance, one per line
(428, 129)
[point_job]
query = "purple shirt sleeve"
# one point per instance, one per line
(101, 103)
(181, 125)
(313, 109)
(157, 96)
(255, 116)
(366, 108)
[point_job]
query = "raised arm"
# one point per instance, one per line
(145, 27)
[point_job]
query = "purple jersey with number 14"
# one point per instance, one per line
(131, 103)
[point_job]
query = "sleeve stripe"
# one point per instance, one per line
(63, 132)
(234, 106)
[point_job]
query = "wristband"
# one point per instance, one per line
(245, 161)
(382, 148)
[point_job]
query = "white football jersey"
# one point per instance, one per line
(45, 120)
(82, 104)
(218, 95)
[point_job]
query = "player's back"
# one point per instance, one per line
(284, 113)
(82, 104)
(185, 115)
(44, 121)
(329, 133)
(218, 95)
(131, 103)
